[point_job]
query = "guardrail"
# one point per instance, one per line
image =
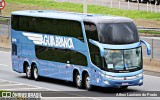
(4, 17)
(5, 29)
(148, 28)
(121, 4)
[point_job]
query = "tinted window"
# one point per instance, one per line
(60, 55)
(47, 26)
(95, 55)
(118, 33)
(14, 22)
(14, 49)
(91, 31)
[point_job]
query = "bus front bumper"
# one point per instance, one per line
(122, 81)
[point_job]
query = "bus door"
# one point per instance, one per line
(98, 63)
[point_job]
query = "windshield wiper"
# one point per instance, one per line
(132, 67)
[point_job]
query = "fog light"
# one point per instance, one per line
(106, 82)
(140, 81)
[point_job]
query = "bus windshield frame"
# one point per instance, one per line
(126, 60)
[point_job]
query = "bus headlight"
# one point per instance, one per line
(106, 76)
(140, 81)
(140, 75)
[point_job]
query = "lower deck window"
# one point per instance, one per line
(60, 55)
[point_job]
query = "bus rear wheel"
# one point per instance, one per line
(141, 1)
(35, 73)
(78, 80)
(157, 2)
(28, 71)
(87, 82)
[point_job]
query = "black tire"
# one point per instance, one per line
(35, 73)
(128, 0)
(78, 81)
(87, 82)
(124, 87)
(157, 2)
(28, 71)
(141, 1)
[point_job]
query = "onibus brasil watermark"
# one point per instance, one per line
(21, 95)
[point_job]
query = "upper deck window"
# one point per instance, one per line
(118, 33)
(62, 27)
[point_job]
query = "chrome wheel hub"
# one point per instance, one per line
(28, 72)
(87, 82)
(35, 73)
(78, 80)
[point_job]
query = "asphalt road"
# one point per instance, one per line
(151, 83)
(116, 4)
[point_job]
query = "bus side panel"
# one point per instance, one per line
(55, 70)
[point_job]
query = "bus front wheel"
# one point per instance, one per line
(28, 71)
(35, 73)
(157, 2)
(87, 82)
(78, 80)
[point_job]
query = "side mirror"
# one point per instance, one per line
(148, 47)
(98, 45)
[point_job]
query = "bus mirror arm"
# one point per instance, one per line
(148, 47)
(98, 45)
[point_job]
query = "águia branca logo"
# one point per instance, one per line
(50, 40)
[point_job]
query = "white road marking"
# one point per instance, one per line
(10, 84)
(16, 89)
(152, 76)
(30, 85)
(37, 87)
(2, 80)
(3, 65)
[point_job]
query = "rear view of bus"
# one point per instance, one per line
(88, 49)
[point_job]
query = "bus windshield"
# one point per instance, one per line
(118, 33)
(123, 59)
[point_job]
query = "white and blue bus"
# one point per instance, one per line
(88, 49)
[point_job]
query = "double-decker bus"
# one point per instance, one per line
(88, 49)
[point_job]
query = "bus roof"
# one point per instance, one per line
(95, 18)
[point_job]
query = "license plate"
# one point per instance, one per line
(124, 83)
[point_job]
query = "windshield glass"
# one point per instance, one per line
(123, 59)
(118, 33)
